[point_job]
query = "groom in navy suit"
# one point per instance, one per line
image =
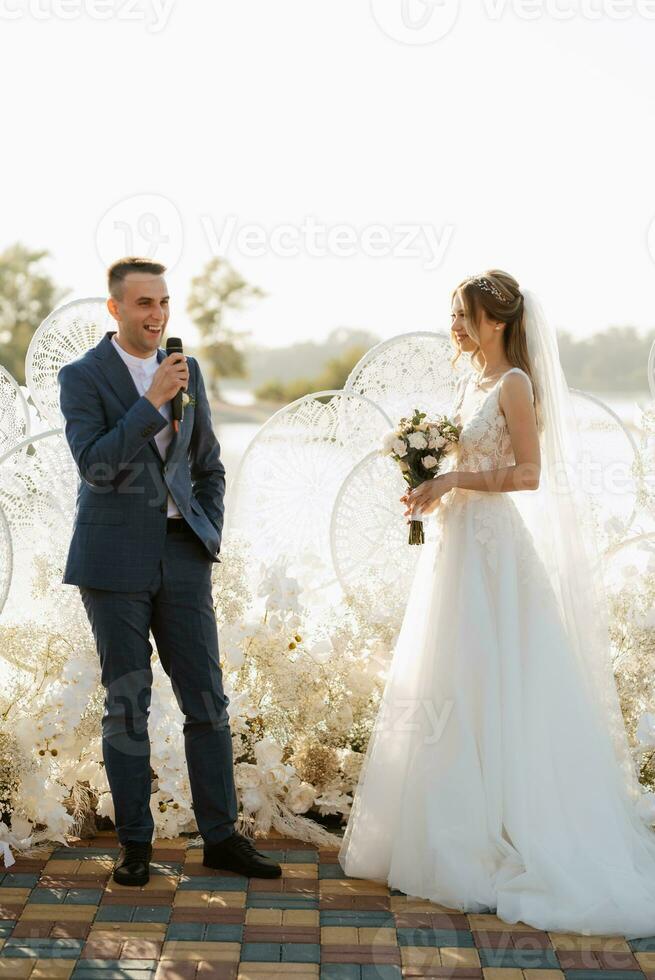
(147, 532)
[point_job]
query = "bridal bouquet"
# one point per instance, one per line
(419, 448)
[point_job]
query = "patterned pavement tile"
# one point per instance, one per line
(62, 916)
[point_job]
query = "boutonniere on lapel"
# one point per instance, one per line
(188, 399)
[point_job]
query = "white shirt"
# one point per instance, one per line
(142, 370)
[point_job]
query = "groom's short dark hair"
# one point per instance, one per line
(122, 267)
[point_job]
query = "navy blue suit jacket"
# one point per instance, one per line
(119, 531)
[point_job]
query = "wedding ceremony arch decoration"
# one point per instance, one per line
(14, 413)
(67, 333)
(6, 559)
(292, 470)
(308, 598)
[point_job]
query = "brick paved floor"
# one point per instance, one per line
(63, 916)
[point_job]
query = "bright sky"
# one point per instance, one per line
(317, 143)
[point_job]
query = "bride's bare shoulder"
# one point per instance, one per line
(515, 372)
(514, 386)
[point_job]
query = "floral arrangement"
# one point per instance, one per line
(304, 693)
(419, 447)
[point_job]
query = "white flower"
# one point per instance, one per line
(430, 462)
(232, 638)
(268, 753)
(332, 801)
(253, 799)
(40, 796)
(436, 442)
(300, 797)
(399, 447)
(321, 651)
(277, 778)
(417, 440)
(389, 440)
(281, 590)
(21, 826)
(105, 807)
(247, 776)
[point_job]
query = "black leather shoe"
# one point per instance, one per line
(133, 863)
(236, 853)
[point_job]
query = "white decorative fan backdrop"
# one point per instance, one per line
(14, 413)
(38, 488)
(6, 559)
(368, 532)
(412, 370)
(67, 333)
(291, 472)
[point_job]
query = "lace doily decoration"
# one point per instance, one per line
(67, 333)
(14, 413)
(368, 531)
(291, 473)
(6, 559)
(38, 490)
(412, 370)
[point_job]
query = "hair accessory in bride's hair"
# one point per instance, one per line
(489, 287)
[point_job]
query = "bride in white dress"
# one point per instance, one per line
(498, 776)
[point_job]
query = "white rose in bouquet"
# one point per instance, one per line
(389, 440)
(417, 440)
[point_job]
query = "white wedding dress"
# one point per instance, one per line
(488, 782)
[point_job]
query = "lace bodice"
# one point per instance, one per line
(484, 442)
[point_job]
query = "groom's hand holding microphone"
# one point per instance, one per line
(171, 376)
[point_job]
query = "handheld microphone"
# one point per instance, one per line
(174, 346)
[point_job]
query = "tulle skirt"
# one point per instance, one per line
(490, 782)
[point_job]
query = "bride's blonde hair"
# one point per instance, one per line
(499, 295)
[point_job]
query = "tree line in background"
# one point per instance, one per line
(612, 360)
